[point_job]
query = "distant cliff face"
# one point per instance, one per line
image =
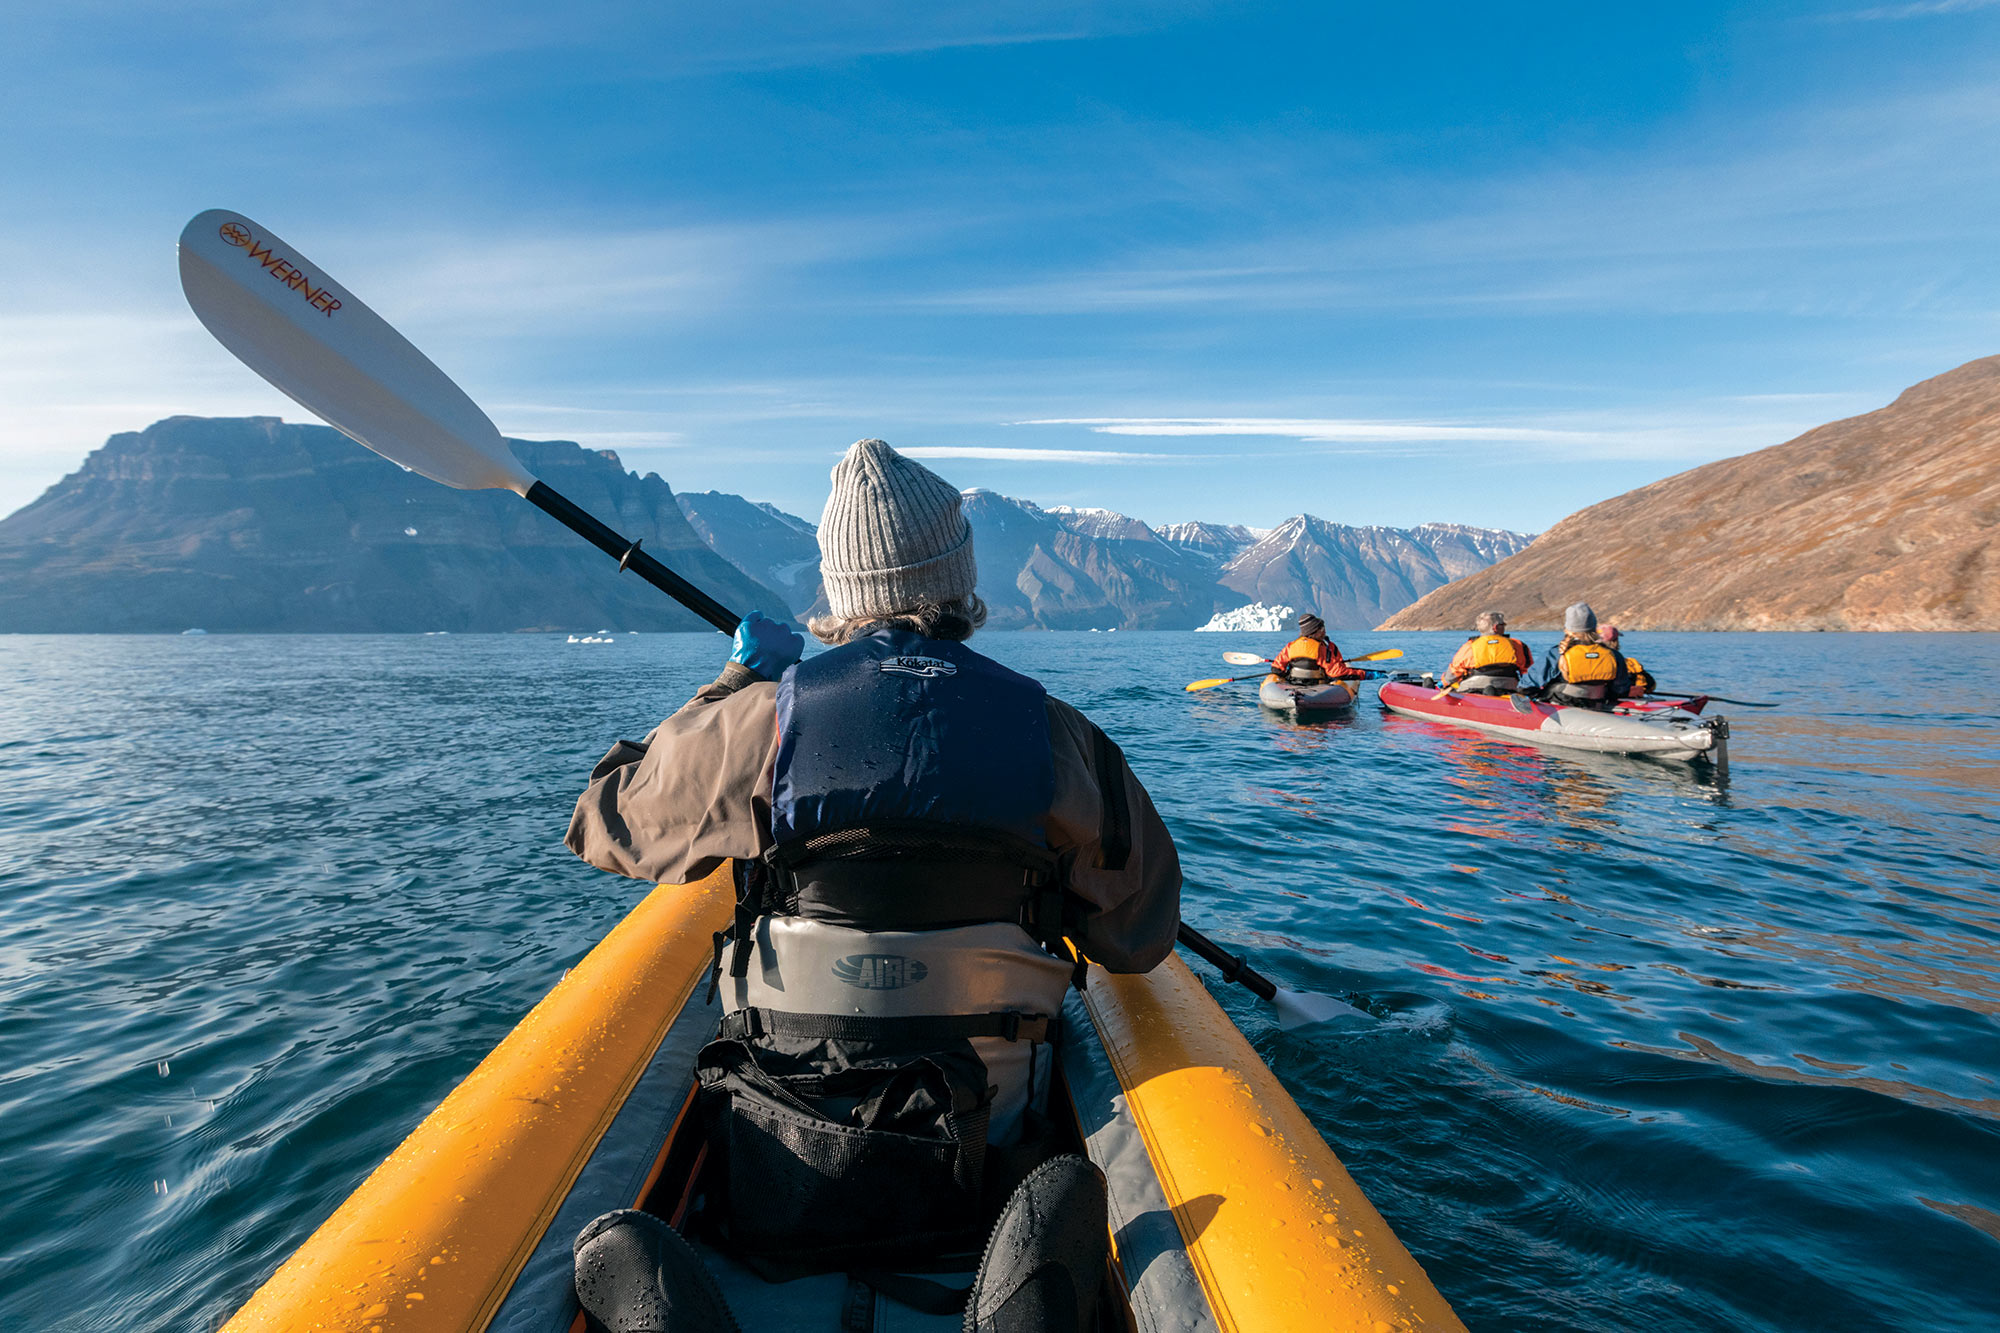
(1880, 522)
(1352, 577)
(765, 542)
(1213, 544)
(1080, 569)
(254, 524)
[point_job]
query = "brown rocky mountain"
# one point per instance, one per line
(1880, 522)
(258, 525)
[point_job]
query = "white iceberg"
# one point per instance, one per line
(1255, 618)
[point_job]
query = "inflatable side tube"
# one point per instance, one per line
(1277, 1233)
(1230, 1212)
(433, 1241)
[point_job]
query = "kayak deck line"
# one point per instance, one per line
(582, 1108)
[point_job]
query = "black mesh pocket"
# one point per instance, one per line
(870, 1164)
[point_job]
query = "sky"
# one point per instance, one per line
(1230, 261)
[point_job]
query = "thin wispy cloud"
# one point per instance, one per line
(1924, 9)
(1003, 454)
(1328, 431)
(1637, 432)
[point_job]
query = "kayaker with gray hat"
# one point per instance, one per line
(916, 829)
(1583, 671)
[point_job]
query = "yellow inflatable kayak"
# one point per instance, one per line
(1228, 1210)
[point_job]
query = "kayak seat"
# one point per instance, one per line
(1589, 694)
(1489, 684)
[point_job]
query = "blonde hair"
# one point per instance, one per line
(1578, 636)
(954, 620)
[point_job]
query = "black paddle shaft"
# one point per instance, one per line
(629, 556)
(1232, 967)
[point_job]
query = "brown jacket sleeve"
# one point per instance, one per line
(696, 792)
(1120, 858)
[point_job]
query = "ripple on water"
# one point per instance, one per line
(1650, 1050)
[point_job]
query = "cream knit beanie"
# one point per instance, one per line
(893, 535)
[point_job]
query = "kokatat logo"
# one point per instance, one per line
(236, 233)
(880, 971)
(930, 668)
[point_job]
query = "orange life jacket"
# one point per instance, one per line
(1491, 650)
(1315, 651)
(1642, 679)
(1588, 664)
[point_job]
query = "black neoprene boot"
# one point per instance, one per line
(1043, 1269)
(634, 1274)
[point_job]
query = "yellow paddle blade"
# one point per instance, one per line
(1382, 656)
(1208, 684)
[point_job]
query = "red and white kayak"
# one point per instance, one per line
(1319, 700)
(1651, 727)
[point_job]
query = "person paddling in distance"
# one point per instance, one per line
(1583, 671)
(1312, 658)
(1490, 661)
(916, 829)
(1642, 682)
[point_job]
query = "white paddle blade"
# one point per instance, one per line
(1297, 1008)
(310, 337)
(1244, 659)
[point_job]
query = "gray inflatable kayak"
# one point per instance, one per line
(1334, 696)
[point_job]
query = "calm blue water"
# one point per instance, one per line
(1653, 1052)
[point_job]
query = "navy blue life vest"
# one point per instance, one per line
(898, 729)
(901, 1015)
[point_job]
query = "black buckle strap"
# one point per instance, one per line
(920, 1294)
(929, 1029)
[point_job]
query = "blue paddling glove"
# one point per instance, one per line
(766, 647)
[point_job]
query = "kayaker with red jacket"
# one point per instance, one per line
(1583, 671)
(1312, 657)
(1490, 661)
(916, 829)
